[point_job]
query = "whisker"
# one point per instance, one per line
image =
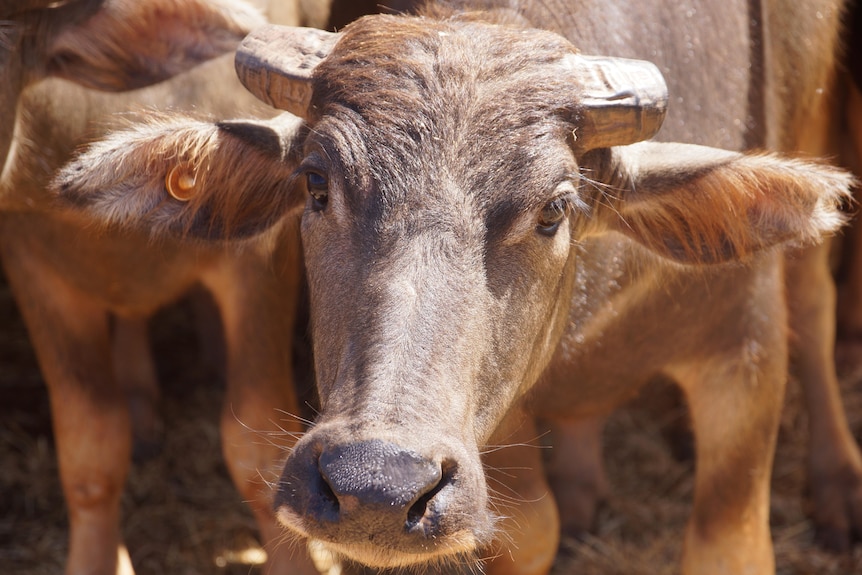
(298, 418)
(495, 448)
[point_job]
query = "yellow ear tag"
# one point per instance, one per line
(180, 183)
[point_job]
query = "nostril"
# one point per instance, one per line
(419, 516)
(328, 495)
(326, 502)
(419, 510)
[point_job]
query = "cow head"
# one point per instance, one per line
(109, 44)
(445, 171)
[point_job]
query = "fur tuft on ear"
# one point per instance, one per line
(182, 177)
(698, 205)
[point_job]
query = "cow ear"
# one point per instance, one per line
(188, 179)
(128, 44)
(699, 205)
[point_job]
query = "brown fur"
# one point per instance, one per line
(103, 61)
(696, 218)
(438, 296)
(85, 293)
(195, 147)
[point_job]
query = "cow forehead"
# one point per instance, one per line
(382, 60)
(419, 109)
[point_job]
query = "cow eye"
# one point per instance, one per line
(318, 188)
(551, 217)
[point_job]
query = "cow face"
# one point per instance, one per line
(449, 227)
(442, 193)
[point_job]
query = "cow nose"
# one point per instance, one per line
(381, 485)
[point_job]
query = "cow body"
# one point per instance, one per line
(775, 91)
(86, 296)
(471, 258)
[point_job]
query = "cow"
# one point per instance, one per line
(488, 234)
(84, 296)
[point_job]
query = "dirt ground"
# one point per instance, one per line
(182, 515)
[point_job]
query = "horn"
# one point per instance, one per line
(275, 63)
(623, 101)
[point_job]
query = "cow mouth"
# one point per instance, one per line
(460, 549)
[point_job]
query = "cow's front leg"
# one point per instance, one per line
(735, 405)
(135, 372)
(90, 413)
(516, 480)
(257, 295)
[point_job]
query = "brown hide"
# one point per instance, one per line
(850, 130)
(691, 332)
(836, 466)
(10, 8)
(12, 84)
(459, 240)
(85, 294)
(777, 62)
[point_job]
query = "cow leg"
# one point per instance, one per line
(834, 462)
(90, 413)
(520, 493)
(257, 296)
(735, 408)
(576, 473)
(135, 372)
(209, 331)
(850, 317)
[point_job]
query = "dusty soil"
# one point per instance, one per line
(182, 515)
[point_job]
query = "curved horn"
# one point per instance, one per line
(623, 101)
(275, 63)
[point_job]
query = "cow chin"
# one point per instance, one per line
(460, 551)
(459, 548)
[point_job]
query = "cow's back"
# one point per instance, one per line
(740, 73)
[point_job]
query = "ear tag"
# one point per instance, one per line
(180, 183)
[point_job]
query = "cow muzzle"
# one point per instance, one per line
(384, 505)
